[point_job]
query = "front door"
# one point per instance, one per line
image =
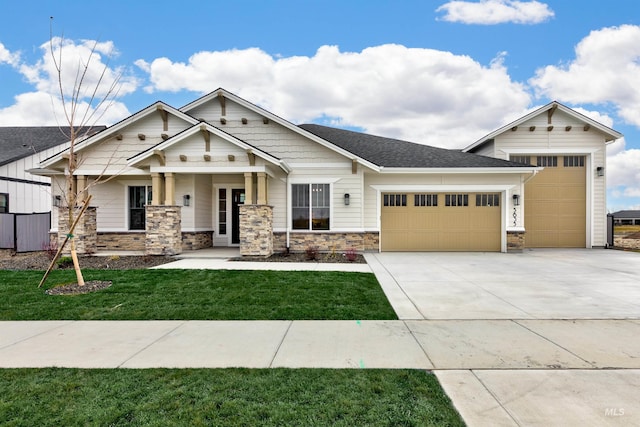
(237, 197)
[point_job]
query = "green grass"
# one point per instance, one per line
(197, 295)
(223, 397)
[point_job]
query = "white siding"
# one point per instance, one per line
(561, 140)
(202, 202)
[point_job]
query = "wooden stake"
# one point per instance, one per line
(66, 239)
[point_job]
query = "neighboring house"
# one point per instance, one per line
(222, 171)
(629, 217)
(22, 149)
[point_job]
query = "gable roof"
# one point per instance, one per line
(627, 214)
(20, 142)
(395, 153)
(157, 106)
(611, 134)
(212, 129)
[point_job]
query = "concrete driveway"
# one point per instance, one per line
(545, 337)
(536, 284)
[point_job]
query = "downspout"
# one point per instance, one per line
(287, 211)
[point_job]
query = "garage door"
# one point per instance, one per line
(556, 206)
(440, 222)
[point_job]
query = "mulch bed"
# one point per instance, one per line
(303, 257)
(75, 289)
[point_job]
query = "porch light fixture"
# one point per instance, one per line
(347, 196)
(600, 171)
(186, 200)
(57, 201)
(516, 200)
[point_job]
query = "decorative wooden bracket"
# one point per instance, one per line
(207, 158)
(265, 120)
(183, 158)
(207, 138)
(164, 136)
(550, 112)
(142, 136)
(119, 137)
(223, 105)
(354, 166)
(165, 117)
(515, 128)
(231, 158)
(244, 121)
(587, 127)
(567, 128)
(549, 128)
(252, 158)
(532, 128)
(161, 157)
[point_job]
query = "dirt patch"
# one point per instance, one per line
(75, 289)
(40, 261)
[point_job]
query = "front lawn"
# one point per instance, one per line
(223, 397)
(197, 295)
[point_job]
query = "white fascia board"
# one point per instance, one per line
(259, 110)
(549, 151)
(443, 188)
(208, 169)
(44, 172)
(103, 172)
(448, 171)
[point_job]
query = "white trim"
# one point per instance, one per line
(536, 151)
(313, 180)
(440, 188)
(196, 230)
(102, 172)
(192, 170)
(120, 230)
(344, 165)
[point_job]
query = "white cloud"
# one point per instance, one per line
(44, 107)
(605, 70)
(421, 95)
(41, 109)
(491, 12)
(7, 57)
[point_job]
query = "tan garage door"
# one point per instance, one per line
(440, 222)
(556, 206)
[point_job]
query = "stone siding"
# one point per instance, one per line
(256, 230)
(194, 240)
(327, 242)
(85, 234)
(515, 241)
(125, 241)
(626, 243)
(164, 234)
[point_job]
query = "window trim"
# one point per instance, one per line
(148, 199)
(310, 183)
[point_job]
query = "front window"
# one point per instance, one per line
(310, 206)
(139, 197)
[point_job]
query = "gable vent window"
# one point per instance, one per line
(525, 160)
(395, 200)
(573, 161)
(4, 203)
(425, 200)
(456, 200)
(548, 161)
(487, 199)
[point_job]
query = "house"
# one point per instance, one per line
(221, 171)
(627, 217)
(22, 149)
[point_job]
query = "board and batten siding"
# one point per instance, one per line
(28, 197)
(567, 137)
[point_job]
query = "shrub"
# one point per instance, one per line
(50, 249)
(351, 254)
(65, 262)
(311, 252)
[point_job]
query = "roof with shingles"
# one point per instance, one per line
(20, 142)
(627, 214)
(395, 153)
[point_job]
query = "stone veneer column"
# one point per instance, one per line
(515, 241)
(164, 231)
(85, 233)
(256, 230)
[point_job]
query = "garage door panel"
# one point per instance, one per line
(441, 228)
(555, 207)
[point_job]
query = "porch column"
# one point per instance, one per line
(262, 188)
(81, 190)
(156, 189)
(170, 189)
(248, 188)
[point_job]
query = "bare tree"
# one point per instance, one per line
(85, 96)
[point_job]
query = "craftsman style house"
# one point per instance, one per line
(222, 171)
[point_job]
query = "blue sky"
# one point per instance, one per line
(441, 72)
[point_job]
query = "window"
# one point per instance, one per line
(525, 160)
(548, 161)
(139, 197)
(487, 199)
(456, 200)
(310, 206)
(573, 161)
(222, 211)
(425, 200)
(4, 203)
(395, 200)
